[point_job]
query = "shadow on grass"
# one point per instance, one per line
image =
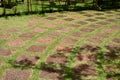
(103, 58)
(61, 8)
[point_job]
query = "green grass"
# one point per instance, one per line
(21, 23)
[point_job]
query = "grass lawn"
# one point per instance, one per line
(82, 45)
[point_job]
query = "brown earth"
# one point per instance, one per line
(51, 18)
(45, 40)
(27, 35)
(57, 59)
(102, 23)
(90, 48)
(27, 60)
(54, 34)
(17, 74)
(94, 26)
(112, 47)
(87, 57)
(103, 35)
(86, 30)
(68, 19)
(13, 30)
(77, 34)
(4, 36)
(5, 52)
(40, 30)
(91, 20)
(36, 48)
(95, 40)
(82, 22)
(116, 40)
(51, 73)
(69, 41)
(17, 43)
(63, 49)
(84, 69)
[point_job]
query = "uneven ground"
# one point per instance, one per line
(34, 39)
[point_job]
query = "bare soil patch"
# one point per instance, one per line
(109, 30)
(61, 16)
(116, 40)
(27, 35)
(30, 25)
(103, 35)
(63, 49)
(42, 21)
(64, 29)
(99, 14)
(103, 23)
(115, 26)
(84, 69)
(57, 59)
(5, 52)
(91, 20)
(100, 17)
(111, 56)
(77, 34)
(112, 47)
(50, 25)
(110, 69)
(45, 40)
(68, 19)
(51, 18)
(79, 79)
(13, 30)
(36, 48)
(27, 60)
(17, 43)
(17, 74)
(69, 41)
(94, 26)
(95, 40)
(110, 15)
(82, 22)
(74, 25)
(87, 57)
(111, 20)
(54, 34)
(59, 22)
(86, 30)
(4, 36)
(40, 30)
(88, 15)
(112, 79)
(51, 73)
(90, 48)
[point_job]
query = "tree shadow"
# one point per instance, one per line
(61, 7)
(67, 72)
